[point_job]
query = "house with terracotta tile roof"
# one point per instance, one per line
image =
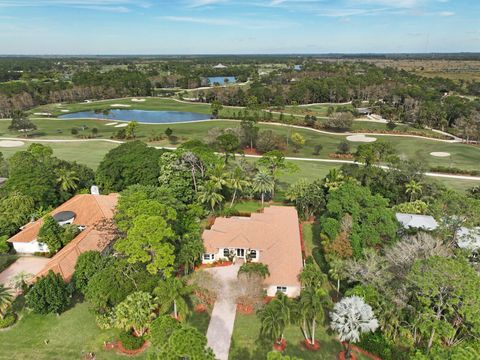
(85, 210)
(271, 237)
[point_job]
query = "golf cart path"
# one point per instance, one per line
(220, 329)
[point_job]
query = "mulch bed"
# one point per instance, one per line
(340, 156)
(245, 309)
(312, 347)
(200, 308)
(216, 264)
(355, 348)
(280, 346)
(118, 346)
(341, 356)
(250, 151)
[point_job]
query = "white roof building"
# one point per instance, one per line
(414, 221)
(220, 66)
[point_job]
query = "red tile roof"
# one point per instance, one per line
(90, 210)
(275, 233)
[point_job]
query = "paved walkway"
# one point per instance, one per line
(220, 329)
(27, 264)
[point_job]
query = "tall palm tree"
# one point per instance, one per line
(174, 293)
(218, 176)
(6, 299)
(311, 310)
(336, 271)
(209, 194)
(67, 179)
(263, 183)
(237, 182)
(275, 316)
(413, 188)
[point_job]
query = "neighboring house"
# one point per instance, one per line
(271, 237)
(414, 221)
(88, 212)
(220, 66)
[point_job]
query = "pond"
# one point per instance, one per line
(221, 80)
(142, 116)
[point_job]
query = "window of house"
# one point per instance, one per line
(208, 256)
(282, 289)
(226, 253)
(253, 254)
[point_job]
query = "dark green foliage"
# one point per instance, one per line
(32, 177)
(317, 148)
(131, 342)
(343, 147)
(115, 281)
(128, 164)
(50, 294)
(52, 234)
(376, 344)
(88, 264)
(254, 268)
(4, 247)
(7, 321)
(372, 222)
(21, 122)
(186, 342)
(161, 330)
(330, 227)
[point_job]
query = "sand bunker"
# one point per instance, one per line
(11, 143)
(361, 138)
(119, 105)
(111, 124)
(42, 114)
(440, 154)
(121, 125)
(65, 110)
(138, 100)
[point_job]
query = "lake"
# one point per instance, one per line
(142, 116)
(221, 79)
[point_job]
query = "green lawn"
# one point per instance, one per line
(246, 346)
(307, 232)
(248, 206)
(68, 336)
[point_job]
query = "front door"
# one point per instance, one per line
(240, 253)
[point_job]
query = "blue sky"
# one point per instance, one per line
(237, 26)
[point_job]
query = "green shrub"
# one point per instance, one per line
(8, 321)
(4, 247)
(105, 321)
(50, 294)
(131, 342)
(161, 330)
(330, 227)
(377, 345)
(254, 268)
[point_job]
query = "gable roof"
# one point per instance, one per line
(275, 233)
(90, 211)
(415, 221)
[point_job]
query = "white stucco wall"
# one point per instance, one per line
(30, 247)
(219, 256)
(292, 291)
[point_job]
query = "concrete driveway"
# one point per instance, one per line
(28, 264)
(220, 329)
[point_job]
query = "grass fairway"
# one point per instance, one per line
(87, 153)
(69, 336)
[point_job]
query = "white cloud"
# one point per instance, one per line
(446, 13)
(200, 3)
(238, 23)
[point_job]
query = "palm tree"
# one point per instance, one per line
(336, 271)
(67, 179)
(237, 182)
(334, 179)
(351, 317)
(218, 176)
(174, 293)
(263, 183)
(311, 310)
(209, 194)
(413, 188)
(275, 316)
(6, 299)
